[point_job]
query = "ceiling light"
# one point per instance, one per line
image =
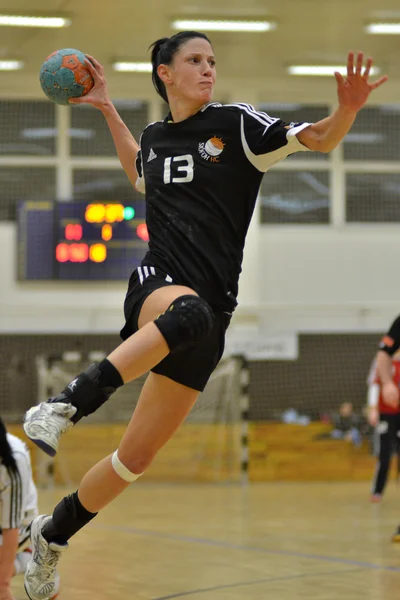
(24, 21)
(322, 70)
(11, 65)
(384, 28)
(133, 67)
(208, 25)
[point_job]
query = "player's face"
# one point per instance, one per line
(193, 72)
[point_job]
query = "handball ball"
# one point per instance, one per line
(65, 75)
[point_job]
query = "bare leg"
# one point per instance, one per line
(44, 424)
(163, 406)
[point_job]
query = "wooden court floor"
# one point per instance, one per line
(278, 541)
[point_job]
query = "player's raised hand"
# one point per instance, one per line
(354, 89)
(98, 95)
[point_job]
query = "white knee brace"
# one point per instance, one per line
(121, 470)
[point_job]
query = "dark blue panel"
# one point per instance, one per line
(35, 240)
(41, 227)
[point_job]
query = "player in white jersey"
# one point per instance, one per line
(18, 508)
(201, 170)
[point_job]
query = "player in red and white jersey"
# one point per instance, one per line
(386, 420)
(388, 347)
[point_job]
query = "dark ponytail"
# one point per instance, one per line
(163, 51)
(6, 455)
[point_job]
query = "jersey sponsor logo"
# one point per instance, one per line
(211, 149)
(386, 341)
(152, 155)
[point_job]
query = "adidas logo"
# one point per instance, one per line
(73, 384)
(152, 155)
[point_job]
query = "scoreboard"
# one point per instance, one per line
(80, 240)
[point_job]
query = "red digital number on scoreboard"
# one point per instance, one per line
(96, 213)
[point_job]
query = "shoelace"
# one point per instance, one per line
(47, 563)
(59, 412)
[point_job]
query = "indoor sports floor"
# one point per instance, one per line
(281, 541)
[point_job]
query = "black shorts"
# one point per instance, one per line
(191, 367)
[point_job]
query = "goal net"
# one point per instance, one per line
(207, 447)
(292, 405)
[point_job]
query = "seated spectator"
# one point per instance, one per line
(347, 424)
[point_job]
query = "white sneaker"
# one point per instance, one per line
(45, 423)
(42, 581)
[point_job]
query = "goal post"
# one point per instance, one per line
(207, 447)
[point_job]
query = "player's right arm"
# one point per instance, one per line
(389, 344)
(125, 144)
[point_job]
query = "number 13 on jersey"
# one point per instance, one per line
(185, 165)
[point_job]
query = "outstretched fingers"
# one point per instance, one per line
(350, 64)
(359, 63)
(339, 77)
(379, 82)
(368, 67)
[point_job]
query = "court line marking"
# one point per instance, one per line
(254, 582)
(231, 546)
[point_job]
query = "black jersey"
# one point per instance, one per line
(201, 178)
(390, 342)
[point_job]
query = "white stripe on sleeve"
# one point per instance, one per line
(263, 162)
(260, 116)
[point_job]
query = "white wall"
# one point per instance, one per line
(70, 307)
(328, 279)
(323, 279)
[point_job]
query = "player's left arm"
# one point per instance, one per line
(353, 92)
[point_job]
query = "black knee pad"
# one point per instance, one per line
(85, 393)
(187, 321)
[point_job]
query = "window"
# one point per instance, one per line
(27, 128)
(373, 198)
(24, 183)
(375, 134)
(103, 184)
(89, 132)
(295, 197)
